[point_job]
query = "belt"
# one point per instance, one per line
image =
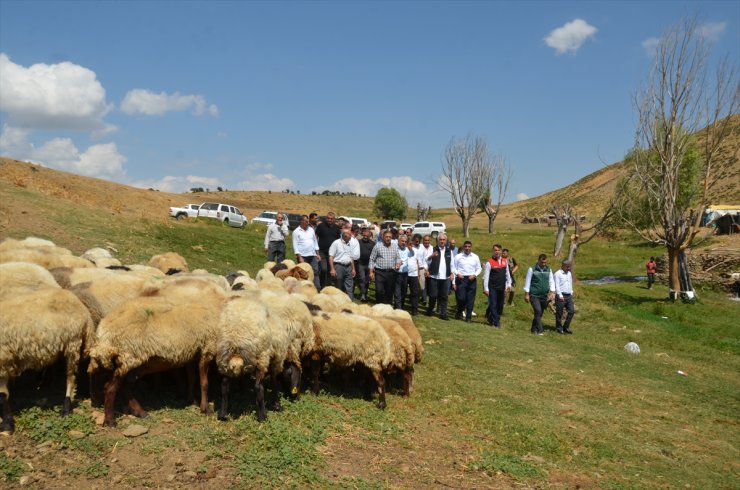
(346, 265)
(385, 270)
(277, 241)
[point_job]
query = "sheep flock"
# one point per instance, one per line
(114, 324)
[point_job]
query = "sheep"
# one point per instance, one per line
(33, 243)
(331, 299)
(307, 268)
(402, 352)
(263, 274)
(405, 320)
(303, 287)
(101, 258)
(244, 283)
(288, 263)
(269, 265)
(169, 263)
(250, 339)
(45, 257)
(36, 328)
(24, 276)
(348, 340)
(163, 328)
(296, 272)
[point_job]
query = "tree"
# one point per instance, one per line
(499, 182)
(422, 212)
(679, 99)
(390, 204)
(466, 176)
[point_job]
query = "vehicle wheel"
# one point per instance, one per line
(434, 234)
(180, 217)
(226, 221)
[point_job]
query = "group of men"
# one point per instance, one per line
(403, 265)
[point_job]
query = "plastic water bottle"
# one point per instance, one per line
(683, 373)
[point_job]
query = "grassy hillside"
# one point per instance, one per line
(590, 194)
(491, 408)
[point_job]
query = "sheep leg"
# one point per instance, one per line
(71, 384)
(316, 366)
(407, 378)
(259, 390)
(277, 390)
(203, 373)
(225, 387)
(111, 388)
(133, 404)
(381, 389)
(8, 424)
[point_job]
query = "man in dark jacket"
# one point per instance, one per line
(366, 247)
(496, 281)
(327, 232)
(440, 275)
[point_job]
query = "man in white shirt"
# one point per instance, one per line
(306, 248)
(564, 297)
(275, 237)
(466, 268)
(425, 251)
(405, 255)
(341, 264)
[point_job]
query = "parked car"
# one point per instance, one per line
(388, 224)
(432, 228)
(406, 226)
(293, 220)
(356, 221)
(186, 211)
(265, 218)
(231, 215)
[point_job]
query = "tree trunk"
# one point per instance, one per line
(562, 228)
(572, 250)
(674, 280)
(466, 227)
(490, 223)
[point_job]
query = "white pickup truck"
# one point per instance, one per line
(186, 211)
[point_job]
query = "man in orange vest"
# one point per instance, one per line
(496, 282)
(652, 268)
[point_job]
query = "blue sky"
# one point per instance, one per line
(345, 96)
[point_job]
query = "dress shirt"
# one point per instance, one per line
(403, 257)
(304, 242)
(563, 282)
(341, 251)
(424, 254)
(276, 233)
(384, 258)
(442, 273)
(414, 264)
(354, 244)
(466, 264)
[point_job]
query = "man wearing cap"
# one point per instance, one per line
(275, 237)
(564, 297)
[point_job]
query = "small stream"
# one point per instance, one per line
(613, 279)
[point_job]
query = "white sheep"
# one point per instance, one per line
(169, 263)
(348, 340)
(163, 328)
(36, 327)
(47, 258)
(250, 340)
(24, 276)
(33, 243)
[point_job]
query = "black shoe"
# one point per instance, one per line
(445, 318)
(569, 331)
(468, 320)
(497, 326)
(560, 331)
(458, 316)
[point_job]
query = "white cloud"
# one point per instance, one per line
(13, 141)
(259, 166)
(571, 36)
(521, 196)
(413, 190)
(266, 182)
(140, 101)
(179, 184)
(60, 96)
(711, 31)
(650, 45)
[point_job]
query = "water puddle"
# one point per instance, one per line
(613, 279)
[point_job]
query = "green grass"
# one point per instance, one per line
(527, 408)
